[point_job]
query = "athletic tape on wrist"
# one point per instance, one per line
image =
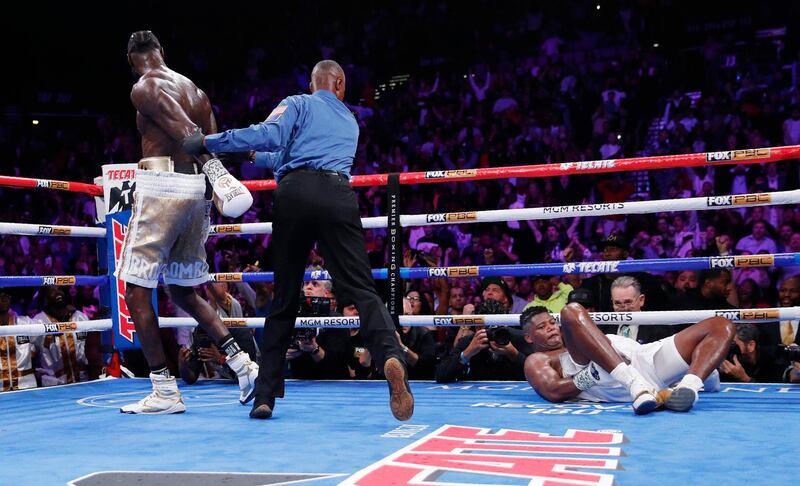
(583, 379)
(213, 169)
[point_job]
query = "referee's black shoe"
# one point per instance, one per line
(401, 401)
(263, 409)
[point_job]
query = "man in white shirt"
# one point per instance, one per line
(63, 356)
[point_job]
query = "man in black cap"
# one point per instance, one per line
(495, 288)
(616, 248)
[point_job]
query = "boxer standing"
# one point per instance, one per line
(170, 219)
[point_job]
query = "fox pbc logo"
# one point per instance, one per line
(739, 200)
(459, 321)
(235, 322)
(225, 228)
(748, 154)
(578, 457)
(54, 230)
(225, 277)
(452, 217)
(469, 321)
(60, 326)
(58, 280)
(750, 314)
(450, 174)
(743, 261)
(46, 184)
(590, 164)
(754, 260)
(453, 272)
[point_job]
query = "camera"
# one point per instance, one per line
(788, 353)
(311, 307)
(200, 339)
(500, 335)
(733, 350)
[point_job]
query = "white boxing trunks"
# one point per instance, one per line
(167, 231)
(659, 363)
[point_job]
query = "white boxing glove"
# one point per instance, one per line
(231, 198)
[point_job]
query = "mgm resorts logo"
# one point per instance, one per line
(60, 326)
(452, 217)
(742, 261)
(750, 314)
(459, 321)
(58, 280)
(453, 272)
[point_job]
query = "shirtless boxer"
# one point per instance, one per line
(170, 219)
(578, 361)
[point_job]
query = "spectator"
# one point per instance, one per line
(546, 296)
(495, 288)
(475, 357)
(758, 241)
(518, 303)
(713, 288)
(359, 361)
(63, 356)
(321, 354)
(746, 362)
(16, 352)
(203, 357)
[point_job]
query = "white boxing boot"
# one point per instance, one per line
(165, 398)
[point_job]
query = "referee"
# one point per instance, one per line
(309, 142)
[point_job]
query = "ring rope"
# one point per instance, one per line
(644, 318)
(513, 270)
(527, 269)
(550, 212)
(51, 230)
(46, 280)
(28, 183)
(746, 156)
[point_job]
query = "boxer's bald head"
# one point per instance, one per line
(328, 75)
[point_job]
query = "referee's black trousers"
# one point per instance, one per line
(319, 206)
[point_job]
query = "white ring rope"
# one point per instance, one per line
(50, 230)
(578, 210)
(648, 318)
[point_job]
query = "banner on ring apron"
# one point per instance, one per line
(118, 188)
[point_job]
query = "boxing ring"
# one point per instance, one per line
(461, 433)
(333, 432)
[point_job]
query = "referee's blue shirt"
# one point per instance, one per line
(314, 131)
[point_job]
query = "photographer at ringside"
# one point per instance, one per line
(748, 362)
(203, 357)
(485, 353)
(318, 353)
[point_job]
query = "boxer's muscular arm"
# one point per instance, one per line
(152, 101)
(547, 381)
